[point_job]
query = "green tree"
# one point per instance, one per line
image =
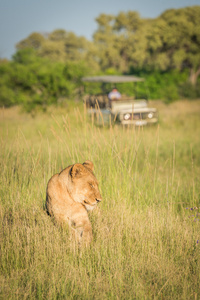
(174, 41)
(121, 40)
(105, 39)
(7, 94)
(58, 46)
(35, 81)
(171, 41)
(34, 41)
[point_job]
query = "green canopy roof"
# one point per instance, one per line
(112, 79)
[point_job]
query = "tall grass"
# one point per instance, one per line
(146, 234)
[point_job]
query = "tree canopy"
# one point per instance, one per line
(171, 41)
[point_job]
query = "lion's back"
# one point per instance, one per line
(56, 200)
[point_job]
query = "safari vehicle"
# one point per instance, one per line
(127, 110)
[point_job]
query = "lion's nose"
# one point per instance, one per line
(98, 200)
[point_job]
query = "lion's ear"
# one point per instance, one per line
(88, 164)
(77, 170)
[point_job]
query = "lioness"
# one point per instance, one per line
(70, 194)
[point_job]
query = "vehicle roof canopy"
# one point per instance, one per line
(112, 79)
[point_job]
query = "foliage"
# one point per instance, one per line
(170, 41)
(145, 236)
(179, 42)
(188, 91)
(165, 85)
(61, 46)
(34, 81)
(47, 68)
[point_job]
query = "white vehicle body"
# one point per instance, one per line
(134, 112)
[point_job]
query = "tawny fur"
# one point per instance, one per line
(70, 194)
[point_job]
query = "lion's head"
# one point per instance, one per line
(84, 185)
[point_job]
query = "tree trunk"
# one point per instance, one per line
(193, 76)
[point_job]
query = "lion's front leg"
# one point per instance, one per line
(82, 225)
(84, 229)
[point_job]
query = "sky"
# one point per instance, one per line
(20, 18)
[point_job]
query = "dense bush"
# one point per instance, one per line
(187, 90)
(165, 85)
(34, 81)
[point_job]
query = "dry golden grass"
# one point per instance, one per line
(145, 237)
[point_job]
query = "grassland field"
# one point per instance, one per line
(147, 233)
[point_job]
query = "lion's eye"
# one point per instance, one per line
(92, 186)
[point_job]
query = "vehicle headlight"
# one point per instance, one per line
(127, 116)
(150, 115)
